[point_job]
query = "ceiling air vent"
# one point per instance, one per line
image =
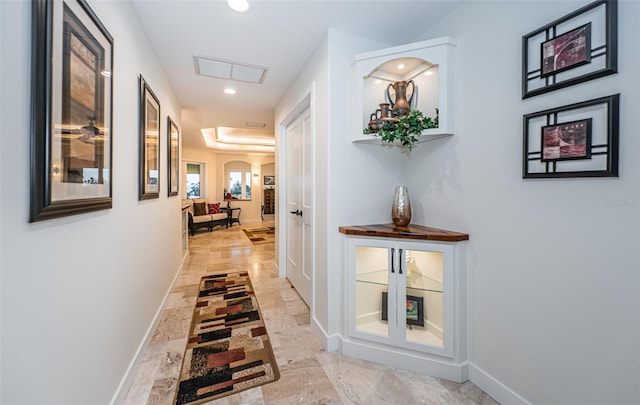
(224, 69)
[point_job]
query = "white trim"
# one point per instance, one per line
(129, 375)
(433, 366)
(329, 342)
(494, 388)
(305, 103)
(281, 167)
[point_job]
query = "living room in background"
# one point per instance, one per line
(195, 180)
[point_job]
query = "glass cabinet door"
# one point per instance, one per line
(423, 313)
(372, 302)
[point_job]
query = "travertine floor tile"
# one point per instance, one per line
(301, 382)
(309, 375)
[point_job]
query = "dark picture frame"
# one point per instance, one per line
(149, 143)
(269, 180)
(71, 111)
(569, 51)
(566, 51)
(415, 309)
(566, 141)
(173, 156)
(589, 148)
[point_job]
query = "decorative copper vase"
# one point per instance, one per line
(401, 106)
(380, 117)
(401, 207)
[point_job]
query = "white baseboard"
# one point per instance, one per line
(434, 366)
(129, 375)
(329, 342)
(497, 390)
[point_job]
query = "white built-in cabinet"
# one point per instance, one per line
(405, 296)
(430, 64)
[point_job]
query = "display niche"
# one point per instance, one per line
(421, 71)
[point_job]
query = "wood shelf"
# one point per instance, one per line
(418, 232)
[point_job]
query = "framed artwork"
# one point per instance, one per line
(173, 145)
(149, 143)
(566, 51)
(414, 306)
(269, 180)
(566, 141)
(578, 47)
(577, 140)
(72, 64)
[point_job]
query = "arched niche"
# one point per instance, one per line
(238, 180)
(429, 65)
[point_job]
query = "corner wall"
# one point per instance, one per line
(79, 293)
(553, 264)
(343, 172)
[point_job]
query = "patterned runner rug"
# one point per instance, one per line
(228, 349)
(260, 236)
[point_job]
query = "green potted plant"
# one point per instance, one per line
(405, 129)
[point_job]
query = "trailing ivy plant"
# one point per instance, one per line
(406, 130)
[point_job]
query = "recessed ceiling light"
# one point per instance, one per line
(428, 73)
(240, 6)
(401, 66)
(229, 91)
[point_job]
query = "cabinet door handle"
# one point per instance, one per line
(400, 263)
(393, 255)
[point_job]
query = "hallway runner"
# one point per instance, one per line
(260, 236)
(228, 349)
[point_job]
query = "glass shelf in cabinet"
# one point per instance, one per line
(415, 281)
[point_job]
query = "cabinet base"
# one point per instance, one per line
(449, 370)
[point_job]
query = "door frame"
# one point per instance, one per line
(281, 168)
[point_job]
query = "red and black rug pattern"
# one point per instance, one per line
(228, 349)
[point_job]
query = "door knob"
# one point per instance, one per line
(296, 212)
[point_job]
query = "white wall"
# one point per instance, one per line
(79, 293)
(553, 264)
(311, 82)
(354, 183)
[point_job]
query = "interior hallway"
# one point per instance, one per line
(309, 375)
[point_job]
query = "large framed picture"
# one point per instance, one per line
(72, 64)
(149, 143)
(173, 145)
(414, 306)
(577, 140)
(578, 47)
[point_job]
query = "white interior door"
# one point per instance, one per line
(299, 186)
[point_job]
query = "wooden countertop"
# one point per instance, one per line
(409, 232)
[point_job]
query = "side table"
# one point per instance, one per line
(232, 216)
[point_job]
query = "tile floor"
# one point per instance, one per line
(309, 375)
